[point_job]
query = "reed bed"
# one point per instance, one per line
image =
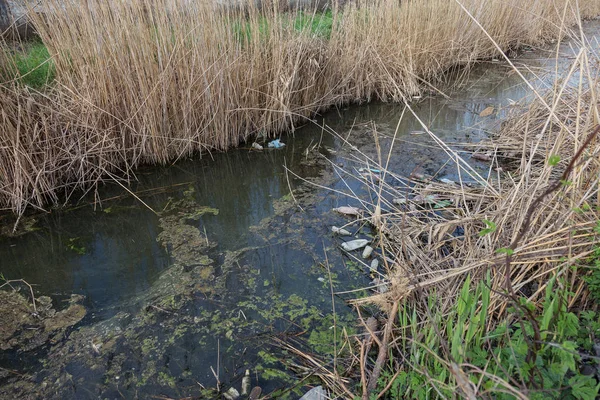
(505, 247)
(154, 81)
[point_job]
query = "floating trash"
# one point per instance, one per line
(482, 157)
(347, 210)
(276, 144)
(316, 393)
(232, 394)
(354, 244)
(246, 383)
(340, 231)
(375, 171)
(399, 202)
(382, 285)
(487, 112)
(256, 146)
(367, 252)
(374, 265)
(447, 181)
(255, 393)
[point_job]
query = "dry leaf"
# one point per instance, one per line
(487, 112)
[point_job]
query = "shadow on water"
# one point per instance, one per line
(164, 323)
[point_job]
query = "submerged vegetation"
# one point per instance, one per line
(153, 81)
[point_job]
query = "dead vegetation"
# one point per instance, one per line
(154, 81)
(531, 222)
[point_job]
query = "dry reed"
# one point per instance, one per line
(153, 81)
(431, 231)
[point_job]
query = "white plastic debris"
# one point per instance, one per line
(340, 231)
(256, 146)
(399, 202)
(367, 252)
(381, 285)
(374, 265)
(276, 144)
(447, 181)
(354, 244)
(316, 393)
(347, 210)
(246, 383)
(232, 394)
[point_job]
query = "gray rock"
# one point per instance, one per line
(317, 393)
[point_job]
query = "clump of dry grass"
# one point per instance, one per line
(153, 81)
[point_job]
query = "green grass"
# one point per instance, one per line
(34, 66)
(504, 352)
(315, 24)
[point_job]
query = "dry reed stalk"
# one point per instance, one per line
(152, 81)
(550, 220)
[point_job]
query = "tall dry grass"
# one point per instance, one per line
(150, 81)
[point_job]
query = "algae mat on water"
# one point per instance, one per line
(200, 315)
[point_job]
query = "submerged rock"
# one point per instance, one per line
(355, 244)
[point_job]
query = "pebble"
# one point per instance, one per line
(354, 244)
(367, 252)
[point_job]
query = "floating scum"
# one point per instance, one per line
(145, 81)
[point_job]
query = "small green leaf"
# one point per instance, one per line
(505, 250)
(490, 228)
(553, 160)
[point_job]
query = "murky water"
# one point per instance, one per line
(178, 293)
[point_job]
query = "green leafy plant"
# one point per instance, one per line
(34, 65)
(444, 351)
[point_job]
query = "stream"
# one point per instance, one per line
(215, 258)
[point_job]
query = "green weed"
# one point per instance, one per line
(34, 65)
(445, 351)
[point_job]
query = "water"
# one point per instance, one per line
(165, 323)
